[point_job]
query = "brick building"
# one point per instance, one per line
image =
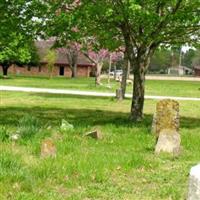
(197, 70)
(61, 68)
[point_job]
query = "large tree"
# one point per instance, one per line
(16, 33)
(143, 26)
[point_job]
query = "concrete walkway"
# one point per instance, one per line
(85, 93)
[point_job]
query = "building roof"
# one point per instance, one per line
(44, 45)
(197, 67)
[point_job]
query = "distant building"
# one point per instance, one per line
(180, 70)
(197, 70)
(61, 68)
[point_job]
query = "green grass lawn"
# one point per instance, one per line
(122, 166)
(153, 87)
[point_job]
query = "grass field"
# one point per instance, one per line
(122, 166)
(153, 87)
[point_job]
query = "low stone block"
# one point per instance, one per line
(96, 134)
(168, 142)
(48, 148)
(194, 183)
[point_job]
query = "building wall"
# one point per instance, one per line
(197, 72)
(82, 71)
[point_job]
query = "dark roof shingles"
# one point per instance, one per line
(44, 45)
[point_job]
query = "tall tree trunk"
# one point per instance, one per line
(5, 69)
(124, 76)
(98, 73)
(74, 71)
(109, 69)
(138, 92)
(115, 75)
(128, 70)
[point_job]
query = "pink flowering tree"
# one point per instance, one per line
(98, 59)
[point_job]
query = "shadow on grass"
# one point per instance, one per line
(72, 96)
(79, 117)
(9, 116)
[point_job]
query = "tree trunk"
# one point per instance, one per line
(98, 73)
(109, 69)
(115, 75)
(74, 71)
(124, 76)
(5, 70)
(128, 70)
(138, 93)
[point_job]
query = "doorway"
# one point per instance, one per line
(62, 71)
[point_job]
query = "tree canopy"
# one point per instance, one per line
(141, 26)
(16, 33)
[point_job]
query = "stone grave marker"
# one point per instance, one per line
(48, 148)
(166, 116)
(169, 142)
(166, 127)
(194, 183)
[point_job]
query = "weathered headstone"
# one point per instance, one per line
(96, 134)
(166, 116)
(194, 183)
(169, 142)
(166, 127)
(48, 148)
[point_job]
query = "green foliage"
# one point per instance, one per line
(16, 32)
(161, 60)
(34, 61)
(187, 58)
(28, 126)
(51, 59)
(4, 134)
(196, 58)
(147, 24)
(15, 51)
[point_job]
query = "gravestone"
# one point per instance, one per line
(166, 127)
(96, 134)
(194, 183)
(169, 142)
(48, 148)
(166, 116)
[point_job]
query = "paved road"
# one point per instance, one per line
(165, 77)
(85, 93)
